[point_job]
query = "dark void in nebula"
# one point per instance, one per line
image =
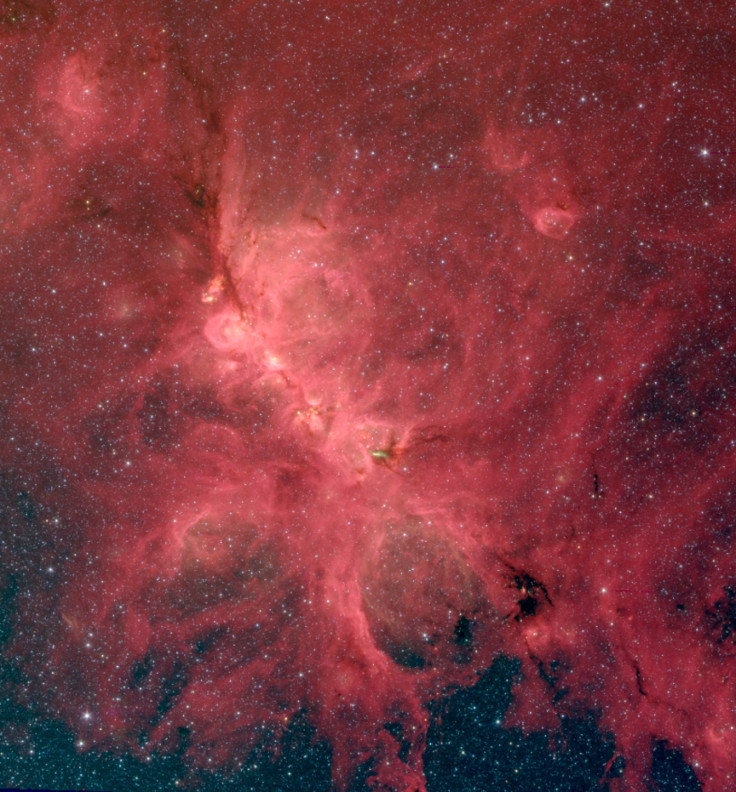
(367, 395)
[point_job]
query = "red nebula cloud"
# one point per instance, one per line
(348, 348)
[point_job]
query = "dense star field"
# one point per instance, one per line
(368, 395)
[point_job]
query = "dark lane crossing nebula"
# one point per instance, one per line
(368, 395)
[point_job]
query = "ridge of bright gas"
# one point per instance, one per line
(346, 347)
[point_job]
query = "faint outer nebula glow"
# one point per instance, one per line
(358, 360)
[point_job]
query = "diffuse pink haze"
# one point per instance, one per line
(347, 347)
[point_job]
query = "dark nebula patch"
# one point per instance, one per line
(532, 594)
(368, 395)
(722, 616)
(139, 671)
(670, 772)
(463, 633)
(468, 747)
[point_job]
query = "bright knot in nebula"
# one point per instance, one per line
(368, 395)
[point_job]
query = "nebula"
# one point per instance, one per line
(356, 359)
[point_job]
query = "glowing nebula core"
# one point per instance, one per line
(347, 348)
